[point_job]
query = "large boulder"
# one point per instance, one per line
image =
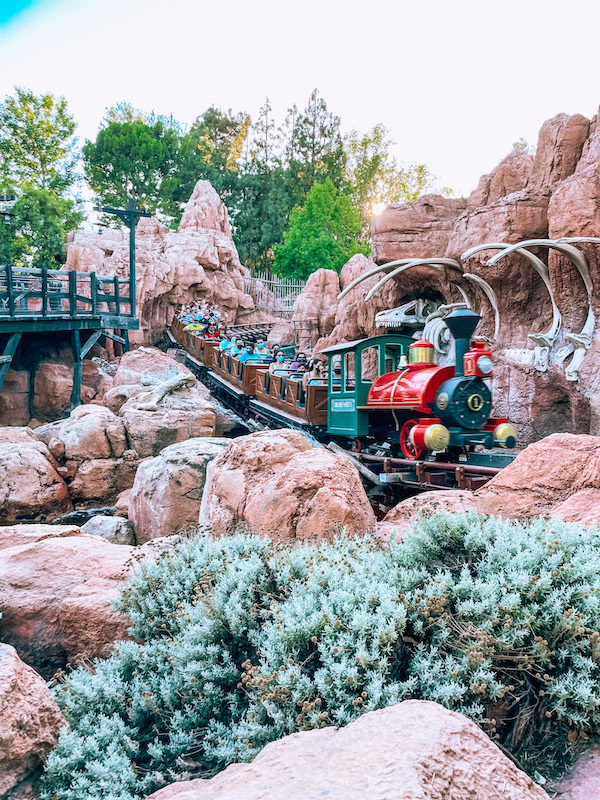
(558, 476)
(277, 484)
(30, 720)
(11, 535)
(92, 431)
(57, 595)
(167, 490)
(547, 478)
(30, 486)
(413, 750)
(114, 529)
(149, 364)
(199, 260)
(511, 175)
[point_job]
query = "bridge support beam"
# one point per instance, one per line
(7, 356)
(77, 369)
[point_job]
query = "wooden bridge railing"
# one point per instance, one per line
(61, 293)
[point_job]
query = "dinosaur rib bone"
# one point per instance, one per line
(543, 341)
(371, 272)
(434, 263)
(581, 341)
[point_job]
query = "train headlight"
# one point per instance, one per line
(436, 437)
(484, 365)
(505, 435)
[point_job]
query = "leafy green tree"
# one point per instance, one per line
(133, 157)
(322, 234)
(373, 176)
(315, 149)
(37, 147)
(39, 226)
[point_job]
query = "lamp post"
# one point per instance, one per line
(129, 217)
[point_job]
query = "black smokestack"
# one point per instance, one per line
(461, 324)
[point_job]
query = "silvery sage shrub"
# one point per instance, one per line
(239, 641)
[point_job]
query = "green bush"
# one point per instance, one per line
(241, 641)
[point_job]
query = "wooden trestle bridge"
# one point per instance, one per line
(87, 305)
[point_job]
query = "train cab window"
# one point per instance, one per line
(336, 375)
(392, 357)
(349, 376)
(369, 366)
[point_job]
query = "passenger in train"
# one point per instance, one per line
(298, 373)
(279, 363)
(211, 332)
(300, 358)
(227, 340)
(237, 348)
(247, 354)
(261, 349)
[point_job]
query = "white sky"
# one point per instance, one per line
(456, 82)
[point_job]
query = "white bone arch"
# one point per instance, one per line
(543, 341)
(434, 263)
(579, 342)
(372, 272)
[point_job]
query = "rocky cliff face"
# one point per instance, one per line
(197, 261)
(554, 194)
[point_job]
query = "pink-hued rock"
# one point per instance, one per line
(276, 484)
(146, 363)
(420, 229)
(52, 390)
(281, 333)
(401, 518)
(545, 475)
(30, 720)
(11, 535)
(167, 490)
(92, 431)
(558, 476)
(316, 306)
(30, 486)
(122, 504)
(199, 260)
(14, 398)
(560, 144)
(511, 175)
(149, 432)
(583, 780)
(101, 480)
(416, 749)
(56, 598)
(355, 317)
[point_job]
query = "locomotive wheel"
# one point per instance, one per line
(407, 447)
(356, 446)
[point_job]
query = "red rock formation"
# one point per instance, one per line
(30, 720)
(415, 749)
(199, 260)
(167, 490)
(315, 307)
(14, 398)
(30, 486)
(56, 598)
(556, 194)
(276, 484)
(556, 477)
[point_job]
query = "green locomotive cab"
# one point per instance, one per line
(353, 367)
